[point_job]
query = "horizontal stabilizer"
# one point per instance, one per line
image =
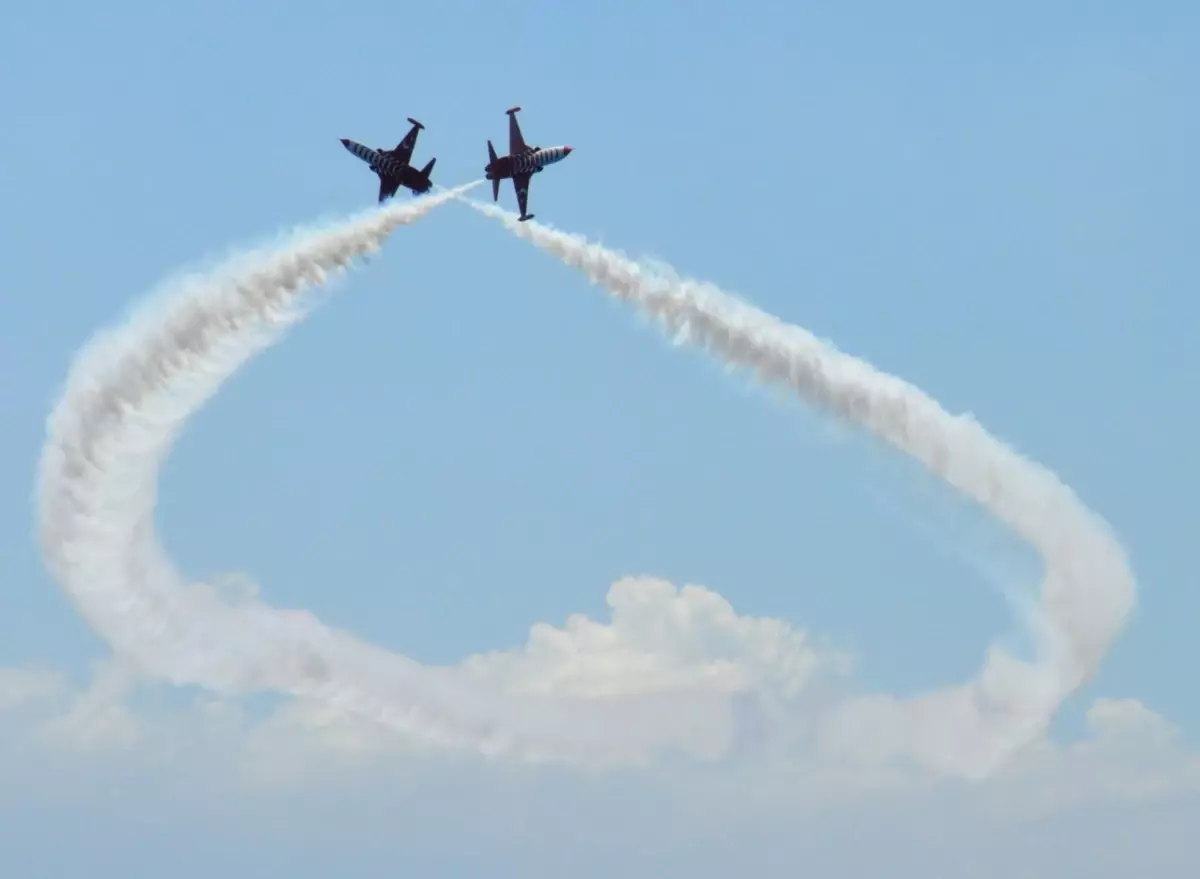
(425, 171)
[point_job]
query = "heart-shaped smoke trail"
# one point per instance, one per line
(132, 389)
(1088, 590)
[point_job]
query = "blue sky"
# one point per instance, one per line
(467, 439)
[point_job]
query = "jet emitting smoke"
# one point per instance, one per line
(1088, 590)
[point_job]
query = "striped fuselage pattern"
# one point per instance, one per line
(377, 160)
(391, 166)
(528, 162)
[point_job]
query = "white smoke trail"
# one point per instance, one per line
(128, 395)
(131, 391)
(1088, 590)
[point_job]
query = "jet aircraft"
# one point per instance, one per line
(393, 166)
(521, 163)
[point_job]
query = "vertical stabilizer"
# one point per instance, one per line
(492, 161)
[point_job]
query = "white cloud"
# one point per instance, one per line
(97, 718)
(792, 767)
(21, 687)
(1132, 755)
(661, 639)
(673, 667)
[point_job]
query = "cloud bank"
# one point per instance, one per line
(664, 650)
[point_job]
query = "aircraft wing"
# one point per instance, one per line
(388, 184)
(521, 186)
(404, 150)
(516, 143)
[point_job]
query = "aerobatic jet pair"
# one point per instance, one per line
(395, 169)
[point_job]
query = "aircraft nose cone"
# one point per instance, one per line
(568, 150)
(345, 141)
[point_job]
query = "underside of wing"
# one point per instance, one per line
(388, 184)
(521, 186)
(404, 150)
(516, 143)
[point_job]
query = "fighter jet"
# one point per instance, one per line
(521, 163)
(393, 166)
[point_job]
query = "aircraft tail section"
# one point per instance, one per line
(495, 180)
(428, 168)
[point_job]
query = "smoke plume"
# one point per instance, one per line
(1088, 587)
(132, 389)
(128, 396)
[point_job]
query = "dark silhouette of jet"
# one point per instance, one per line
(521, 163)
(393, 166)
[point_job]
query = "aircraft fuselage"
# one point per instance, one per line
(532, 162)
(383, 163)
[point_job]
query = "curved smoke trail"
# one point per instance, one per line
(1088, 589)
(131, 390)
(128, 395)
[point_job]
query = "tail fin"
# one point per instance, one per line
(425, 171)
(492, 161)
